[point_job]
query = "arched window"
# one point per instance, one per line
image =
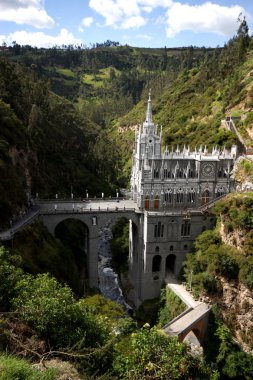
(159, 230)
(156, 202)
(185, 228)
(157, 248)
(165, 173)
(205, 198)
(156, 263)
(180, 196)
(146, 205)
(171, 248)
(156, 173)
(168, 196)
(191, 196)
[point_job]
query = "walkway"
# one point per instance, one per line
(188, 322)
(21, 223)
(58, 205)
(194, 318)
(180, 291)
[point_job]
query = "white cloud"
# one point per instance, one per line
(29, 12)
(208, 17)
(86, 23)
(133, 22)
(145, 37)
(124, 14)
(41, 39)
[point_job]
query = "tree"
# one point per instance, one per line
(50, 308)
(151, 354)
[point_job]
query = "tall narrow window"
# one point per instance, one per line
(159, 230)
(180, 196)
(185, 228)
(156, 202)
(191, 196)
(146, 205)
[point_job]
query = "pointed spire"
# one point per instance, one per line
(149, 109)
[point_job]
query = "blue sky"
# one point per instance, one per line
(146, 23)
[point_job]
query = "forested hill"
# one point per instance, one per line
(67, 114)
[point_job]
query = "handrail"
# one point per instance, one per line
(90, 210)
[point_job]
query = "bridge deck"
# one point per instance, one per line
(187, 320)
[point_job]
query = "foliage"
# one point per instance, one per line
(212, 259)
(50, 308)
(41, 252)
(148, 311)
(10, 274)
(151, 354)
(13, 368)
(171, 306)
(236, 212)
(99, 305)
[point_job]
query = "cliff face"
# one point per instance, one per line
(236, 302)
(236, 305)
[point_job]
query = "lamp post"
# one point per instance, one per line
(87, 194)
(190, 281)
(102, 196)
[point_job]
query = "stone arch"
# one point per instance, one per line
(205, 197)
(75, 220)
(156, 263)
(75, 235)
(170, 263)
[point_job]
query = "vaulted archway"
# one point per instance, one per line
(170, 263)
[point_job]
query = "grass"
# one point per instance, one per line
(97, 80)
(66, 72)
(12, 368)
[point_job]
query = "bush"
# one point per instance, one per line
(228, 266)
(171, 307)
(50, 308)
(150, 354)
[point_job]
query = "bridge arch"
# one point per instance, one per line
(95, 220)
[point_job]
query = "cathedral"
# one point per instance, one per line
(172, 190)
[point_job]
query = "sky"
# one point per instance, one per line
(143, 23)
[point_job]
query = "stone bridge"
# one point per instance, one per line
(95, 215)
(192, 323)
(192, 320)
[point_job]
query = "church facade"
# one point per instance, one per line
(172, 190)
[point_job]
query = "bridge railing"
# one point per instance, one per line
(80, 200)
(87, 210)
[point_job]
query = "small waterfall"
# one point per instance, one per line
(108, 279)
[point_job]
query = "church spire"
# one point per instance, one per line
(149, 109)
